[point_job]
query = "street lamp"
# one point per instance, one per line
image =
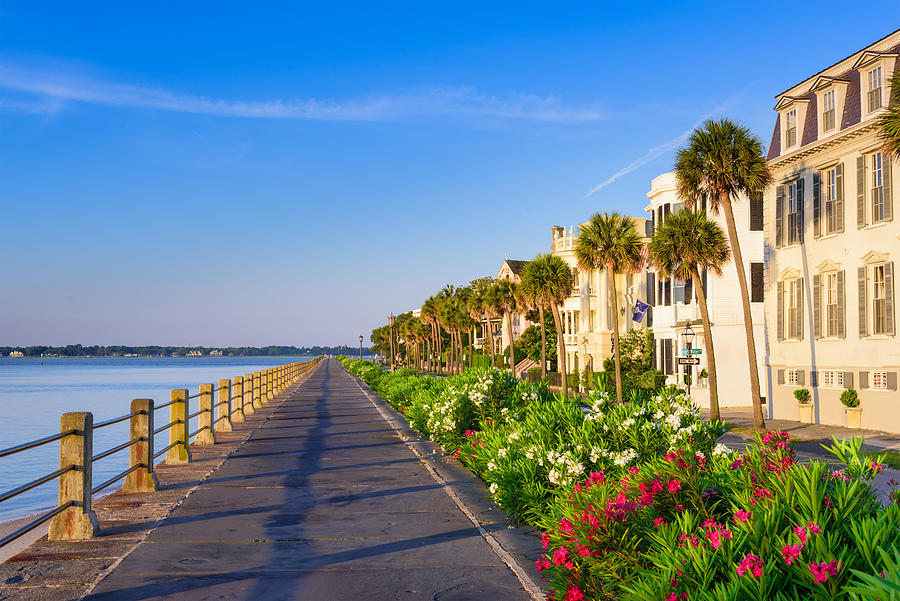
(391, 322)
(687, 337)
(360, 348)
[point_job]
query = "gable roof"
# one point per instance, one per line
(515, 265)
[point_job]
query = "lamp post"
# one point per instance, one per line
(687, 337)
(360, 348)
(391, 322)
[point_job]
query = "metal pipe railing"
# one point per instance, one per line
(74, 518)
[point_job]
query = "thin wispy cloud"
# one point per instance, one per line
(460, 101)
(660, 149)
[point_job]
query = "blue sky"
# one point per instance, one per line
(282, 173)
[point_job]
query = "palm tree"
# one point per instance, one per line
(506, 299)
(429, 316)
(889, 121)
(529, 288)
(610, 241)
(721, 162)
(476, 308)
(550, 280)
(686, 243)
(494, 309)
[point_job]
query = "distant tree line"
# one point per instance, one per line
(78, 350)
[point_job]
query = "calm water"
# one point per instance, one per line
(32, 398)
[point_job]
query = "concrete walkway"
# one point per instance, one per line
(323, 502)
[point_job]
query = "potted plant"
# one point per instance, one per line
(806, 408)
(850, 399)
(702, 377)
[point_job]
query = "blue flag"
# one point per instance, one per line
(640, 308)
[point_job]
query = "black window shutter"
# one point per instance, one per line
(651, 288)
(861, 192)
(756, 212)
(863, 315)
(848, 379)
(888, 197)
(892, 380)
(800, 307)
(801, 377)
(667, 286)
(889, 298)
(757, 284)
(839, 198)
(801, 226)
(781, 376)
(817, 306)
(863, 379)
(841, 302)
(779, 216)
(817, 204)
(813, 377)
(688, 291)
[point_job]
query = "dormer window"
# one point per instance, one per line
(790, 128)
(873, 97)
(828, 111)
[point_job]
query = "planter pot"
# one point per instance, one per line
(853, 416)
(806, 413)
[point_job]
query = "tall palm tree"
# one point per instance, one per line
(529, 288)
(429, 316)
(476, 308)
(889, 121)
(610, 241)
(506, 298)
(493, 305)
(721, 162)
(550, 279)
(686, 243)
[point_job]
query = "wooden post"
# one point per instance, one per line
(237, 415)
(257, 390)
(248, 395)
(223, 415)
(78, 521)
(205, 419)
(178, 433)
(142, 479)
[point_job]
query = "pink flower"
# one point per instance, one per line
(877, 467)
(802, 534)
(814, 529)
(741, 516)
(469, 433)
(821, 571)
(751, 563)
(545, 540)
(574, 594)
(584, 552)
(634, 469)
(659, 522)
(673, 486)
(560, 556)
(542, 564)
(566, 526)
(790, 553)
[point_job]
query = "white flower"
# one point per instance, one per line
(501, 452)
(491, 466)
(493, 488)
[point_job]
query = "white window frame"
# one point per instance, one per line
(830, 295)
(874, 89)
(792, 377)
(790, 118)
(829, 105)
(875, 187)
(793, 213)
(792, 310)
(878, 380)
(829, 193)
(831, 378)
(879, 301)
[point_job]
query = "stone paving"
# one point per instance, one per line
(324, 501)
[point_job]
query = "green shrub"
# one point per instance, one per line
(802, 395)
(850, 398)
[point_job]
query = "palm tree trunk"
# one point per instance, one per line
(758, 419)
(543, 343)
(512, 348)
(710, 351)
(561, 349)
(472, 348)
(615, 312)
